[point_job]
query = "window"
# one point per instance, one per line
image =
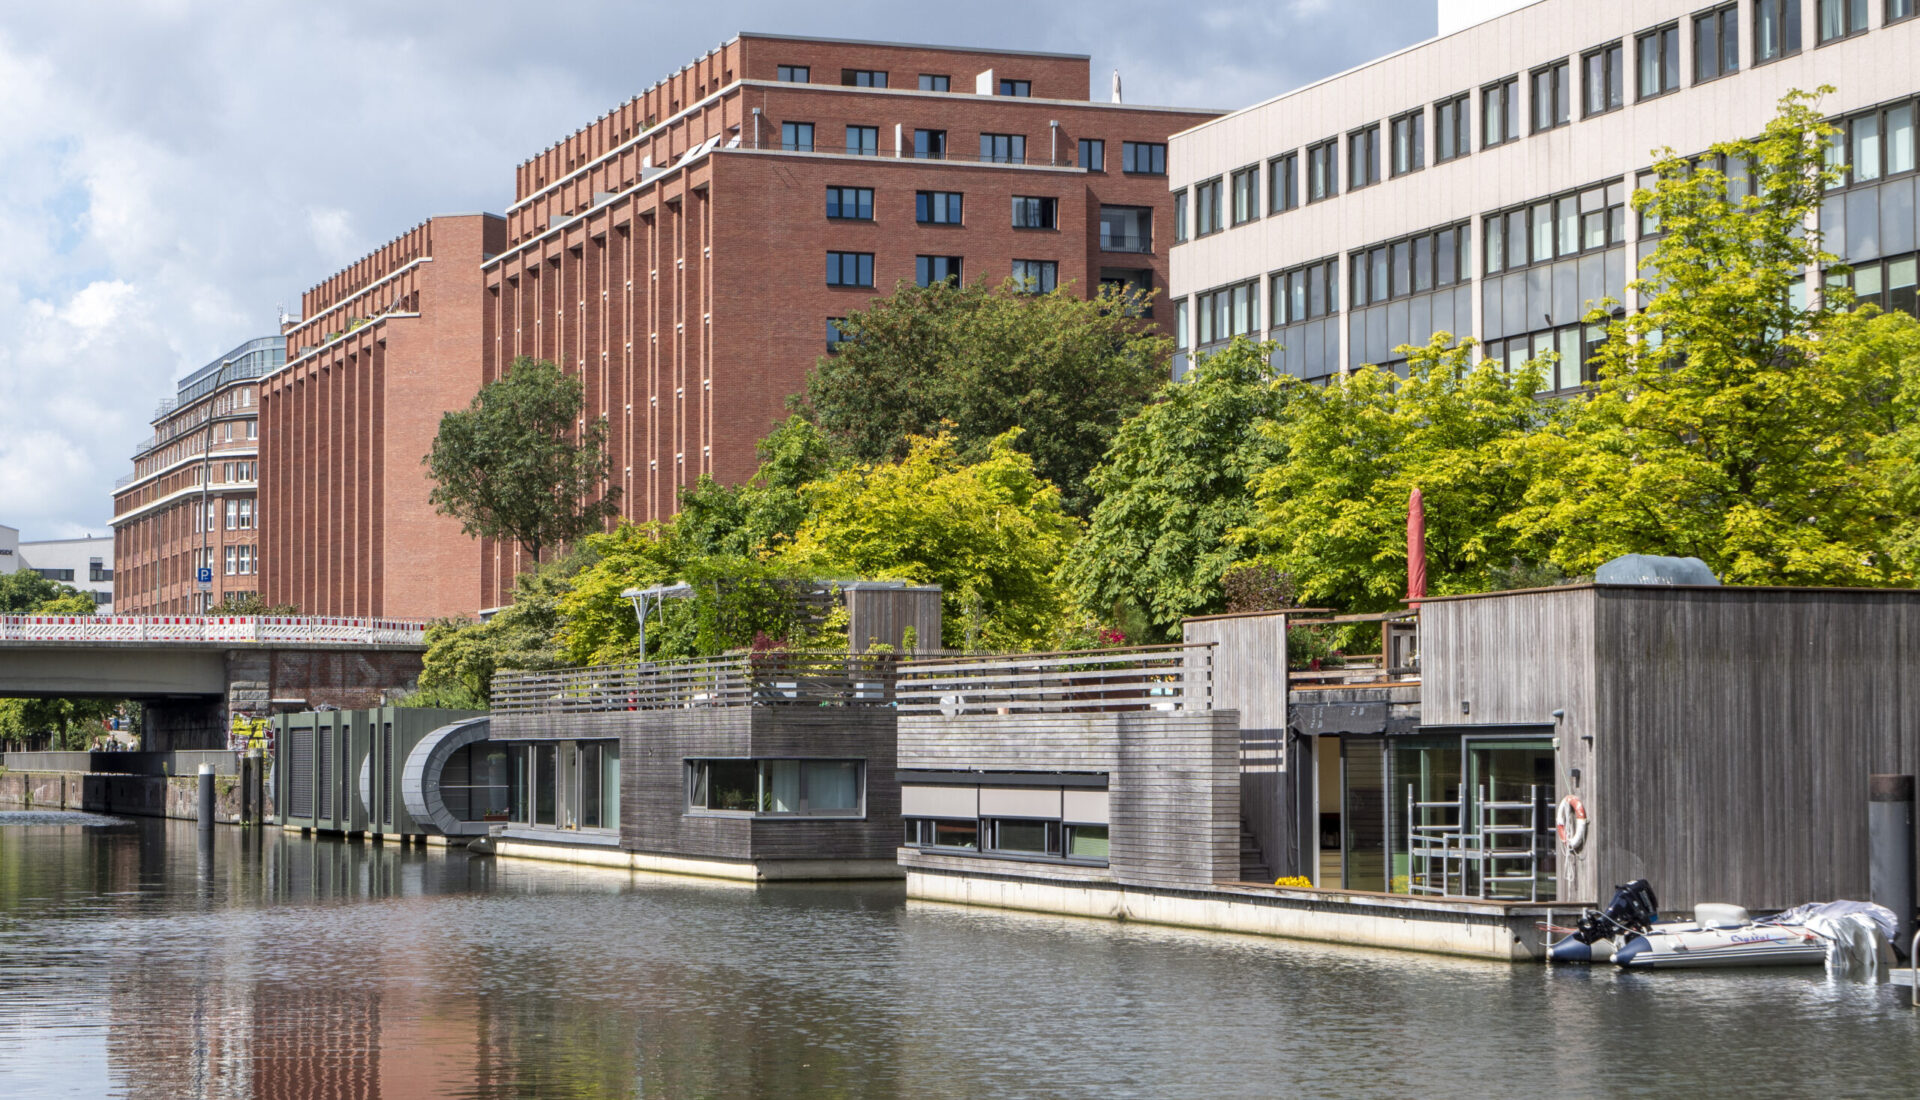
(1888, 284)
(1409, 143)
(1143, 158)
(795, 74)
(1126, 229)
(1875, 144)
(233, 515)
(929, 270)
(1587, 220)
(1452, 132)
(1658, 57)
(863, 141)
(1649, 221)
(1574, 345)
(1840, 18)
(1552, 95)
(849, 269)
(1283, 182)
(1229, 312)
(925, 832)
(937, 207)
(253, 429)
(835, 336)
(1016, 836)
(1716, 43)
(1411, 265)
(1206, 207)
(1363, 158)
(796, 137)
(246, 515)
(1896, 11)
(233, 559)
(1776, 29)
(855, 203)
(778, 788)
(863, 78)
(1035, 212)
(1016, 87)
(1093, 154)
(1246, 195)
(930, 144)
(1602, 79)
(1180, 224)
(1500, 112)
(1003, 148)
(1323, 171)
(1180, 325)
(1036, 276)
(935, 82)
(1087, 842)
(246, 560)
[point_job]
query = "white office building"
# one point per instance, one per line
(1477, 183)
(9, 549)
(83, 563)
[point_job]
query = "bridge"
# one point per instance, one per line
(195, 674)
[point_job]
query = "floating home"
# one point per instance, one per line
(399, 772)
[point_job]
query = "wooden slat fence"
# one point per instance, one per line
(769, 679)
(1140, 678)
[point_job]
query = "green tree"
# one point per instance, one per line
(516, 465)
(1735, 420)
(461, 658)
(24, 592)
(990, 533)
(250, 603)
(1173, 489)
(975, 361)
(72, 723)
(1333, 512)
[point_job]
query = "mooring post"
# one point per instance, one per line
(1890, 848)
(206, 797)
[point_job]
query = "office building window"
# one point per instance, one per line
(863, 141)
(928, 270)
(248, 560)
(863, 78)
(1206, 207)
(1840, 18)
(1571, 348)
(936, 207)
(1016, 87)
(855, 203)
(796, 137)
(1896, 11)
(1888, 284)
(246, 515)
(795, 74)
(1323, 171)
(233, 555)
(1180, 325)
(1500, 112)
(935, 82)
(1716, 43)
(1283, 182)
(1411, 265)
(1246, 195)
(1452, 132)
(1093, 154)
(1552, 96)
(1143, 158)
(233, 515)
(850, 269)
(1602, 76)
(1003, 148)
(1228, 312)
(1363, 158)
(1304, 293)
(1036, 276)
(1180, 224)
(1035, 212)
(1588, 220)
(930, 144)
(1776, 29)
(1126, 229)
(1657, 53)
(835, 337)
(1409, 143)
(1874, 144)
(253, 429)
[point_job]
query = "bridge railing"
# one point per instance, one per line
(281, 629)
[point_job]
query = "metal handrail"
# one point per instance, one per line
(1173, 677)
(748, 679)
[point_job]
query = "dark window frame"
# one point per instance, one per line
(1498, 226)
(1850, 8)
(1182, 217)
(863, 78)
(1035, 284)
(929, 143)
(1666, 63)
(793, 144)
(1559, 77)
(1146, 240)
(991, 143)
(1505, 91)
(1458, 111)
(1045, 208)
(786, 74)
(923, 204)
(837, 196)
(864, 133)
(1612, 57)
(1790, 22)
(837, 261)
(1214, 312)
(1021, 89)
(928, 80)
(1390, 265)
(1415, 143)
(1366, 140)
(1327, 153)
(1283, 183)
(1215, 190)
(924, 270)
(1095, 146)
(1723, 35)
(1155, 153)
(1243, 182)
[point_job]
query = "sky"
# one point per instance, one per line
(173, 172)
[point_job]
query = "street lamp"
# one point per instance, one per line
(642, 597)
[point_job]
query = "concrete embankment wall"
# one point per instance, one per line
(135, 795)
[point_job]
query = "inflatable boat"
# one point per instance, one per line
(1630, 934)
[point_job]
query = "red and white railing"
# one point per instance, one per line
(269, 629)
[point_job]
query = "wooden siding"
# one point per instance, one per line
(1250, 678)
(882, 616)
(1173, 780)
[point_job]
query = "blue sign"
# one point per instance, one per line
(204, 576)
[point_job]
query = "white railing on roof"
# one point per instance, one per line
(241, 629)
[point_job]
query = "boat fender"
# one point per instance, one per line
(1570, 821)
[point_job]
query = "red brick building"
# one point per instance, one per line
(385, 346)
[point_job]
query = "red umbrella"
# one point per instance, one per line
(1416, 548)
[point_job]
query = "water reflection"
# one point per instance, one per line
(133, 963)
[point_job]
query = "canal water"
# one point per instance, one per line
(134, 961)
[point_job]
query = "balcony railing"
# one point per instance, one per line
(739, 680)
(1140, 678)
(270, 629)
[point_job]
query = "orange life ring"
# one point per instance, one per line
(1570, 821)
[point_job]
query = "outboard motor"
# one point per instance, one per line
(1633, 909)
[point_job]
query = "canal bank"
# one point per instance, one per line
(170, 796)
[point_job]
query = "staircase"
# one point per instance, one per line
(1253, 865)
